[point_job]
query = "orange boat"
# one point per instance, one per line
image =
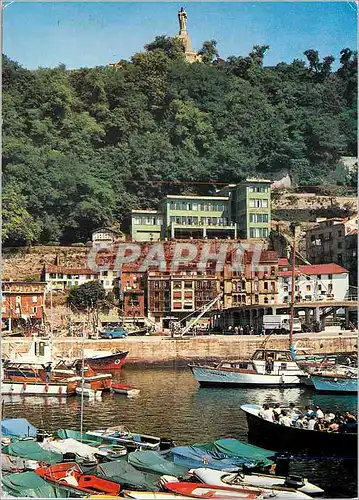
(70, 475)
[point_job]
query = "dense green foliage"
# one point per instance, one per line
(83, 147)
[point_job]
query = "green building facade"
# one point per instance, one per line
(237, 211)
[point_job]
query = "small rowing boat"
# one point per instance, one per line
(70, 475)
(127, 390)
(203, 490)
(237, 478)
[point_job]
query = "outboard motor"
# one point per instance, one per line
(41, 434)
(293, 482)
(88, 466)
(166, 444)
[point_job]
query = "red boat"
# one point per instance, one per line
(70, 475)
(106, 361)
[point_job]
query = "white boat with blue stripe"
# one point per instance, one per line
(268, 367)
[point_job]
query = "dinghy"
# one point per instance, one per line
(132, 440)
(203, 490)
(236, 478)
(127, 390)
(70, 475)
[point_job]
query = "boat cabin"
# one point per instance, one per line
(265, 361)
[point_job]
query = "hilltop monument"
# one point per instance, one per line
(191, 56)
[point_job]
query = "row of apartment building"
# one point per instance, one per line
(164, 295)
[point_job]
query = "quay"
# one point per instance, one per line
(167, 351)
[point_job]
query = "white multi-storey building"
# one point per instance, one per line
(319, 282)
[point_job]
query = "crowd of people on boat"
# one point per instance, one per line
(311, 419)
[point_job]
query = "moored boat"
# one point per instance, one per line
(70, 475)
(282, 438)
(335, 381)
(106, 361)
(132, 440)
(238, 478)
(268, 367)
(128, 390)
(203, 490)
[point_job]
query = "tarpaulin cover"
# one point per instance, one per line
(85, 438)
(193, 458)
(9, 463)
(232, 448)
(29, 484)
(17, 427)
(151, 461)
(33, 451)
(130, 478)
(72, 445)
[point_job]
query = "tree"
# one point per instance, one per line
(88, 298)
(173, 47)
(208, 51)
(18, 226)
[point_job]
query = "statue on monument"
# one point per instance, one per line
(182, 18)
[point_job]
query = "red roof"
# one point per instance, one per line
(69, 270)
(283, 262)
(316, 269)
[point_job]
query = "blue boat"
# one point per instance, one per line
(336, 382)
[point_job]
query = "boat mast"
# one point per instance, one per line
(82, 382)
(292, 295)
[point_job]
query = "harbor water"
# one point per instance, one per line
(171, 404)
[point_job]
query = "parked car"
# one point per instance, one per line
(114, 333)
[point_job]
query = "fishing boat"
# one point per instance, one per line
(128, 390)
(238, 478)
(88, 392)
(132, 440)
(281, 438)
(343, 381)
(28, 382)
(203, 490)
(107, 361)
(267, 367)
(70, 475)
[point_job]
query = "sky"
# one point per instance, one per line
(89, 34)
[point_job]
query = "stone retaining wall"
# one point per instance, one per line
(166, 351)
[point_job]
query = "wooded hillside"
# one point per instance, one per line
(83, 147)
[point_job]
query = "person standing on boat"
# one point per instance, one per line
(284, 419)
(311, 423)
(319, 412)
(48, 371)
(266, 413)
(241, 330)
(277, 411)
(301, 422)
(350, 423)
(329, 417)
(269, 364)
(309, 412)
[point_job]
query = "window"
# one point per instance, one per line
(330, 276)
(307, 288)
(258, 203)
(319, 287)
(253, 217)
(266, 285)
(105, 273)
(330, 288)
(258, 232)
(285, 288)
(34, 310)
(34, 298)
(53, 275)
(319, 276)
(296, 288)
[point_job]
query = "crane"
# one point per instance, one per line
(204, 309)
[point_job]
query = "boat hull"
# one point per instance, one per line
(58, 389)
(281, 438)
(212, 377)
(111, 362)
(334, 384)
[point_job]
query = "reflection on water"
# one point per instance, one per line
(171, 404)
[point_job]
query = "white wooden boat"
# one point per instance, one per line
(35, 388)
(88, 392)
(236, 478)
(128, 390)
(122, 435)
(282, 371)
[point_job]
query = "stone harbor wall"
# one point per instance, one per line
(165, 351)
